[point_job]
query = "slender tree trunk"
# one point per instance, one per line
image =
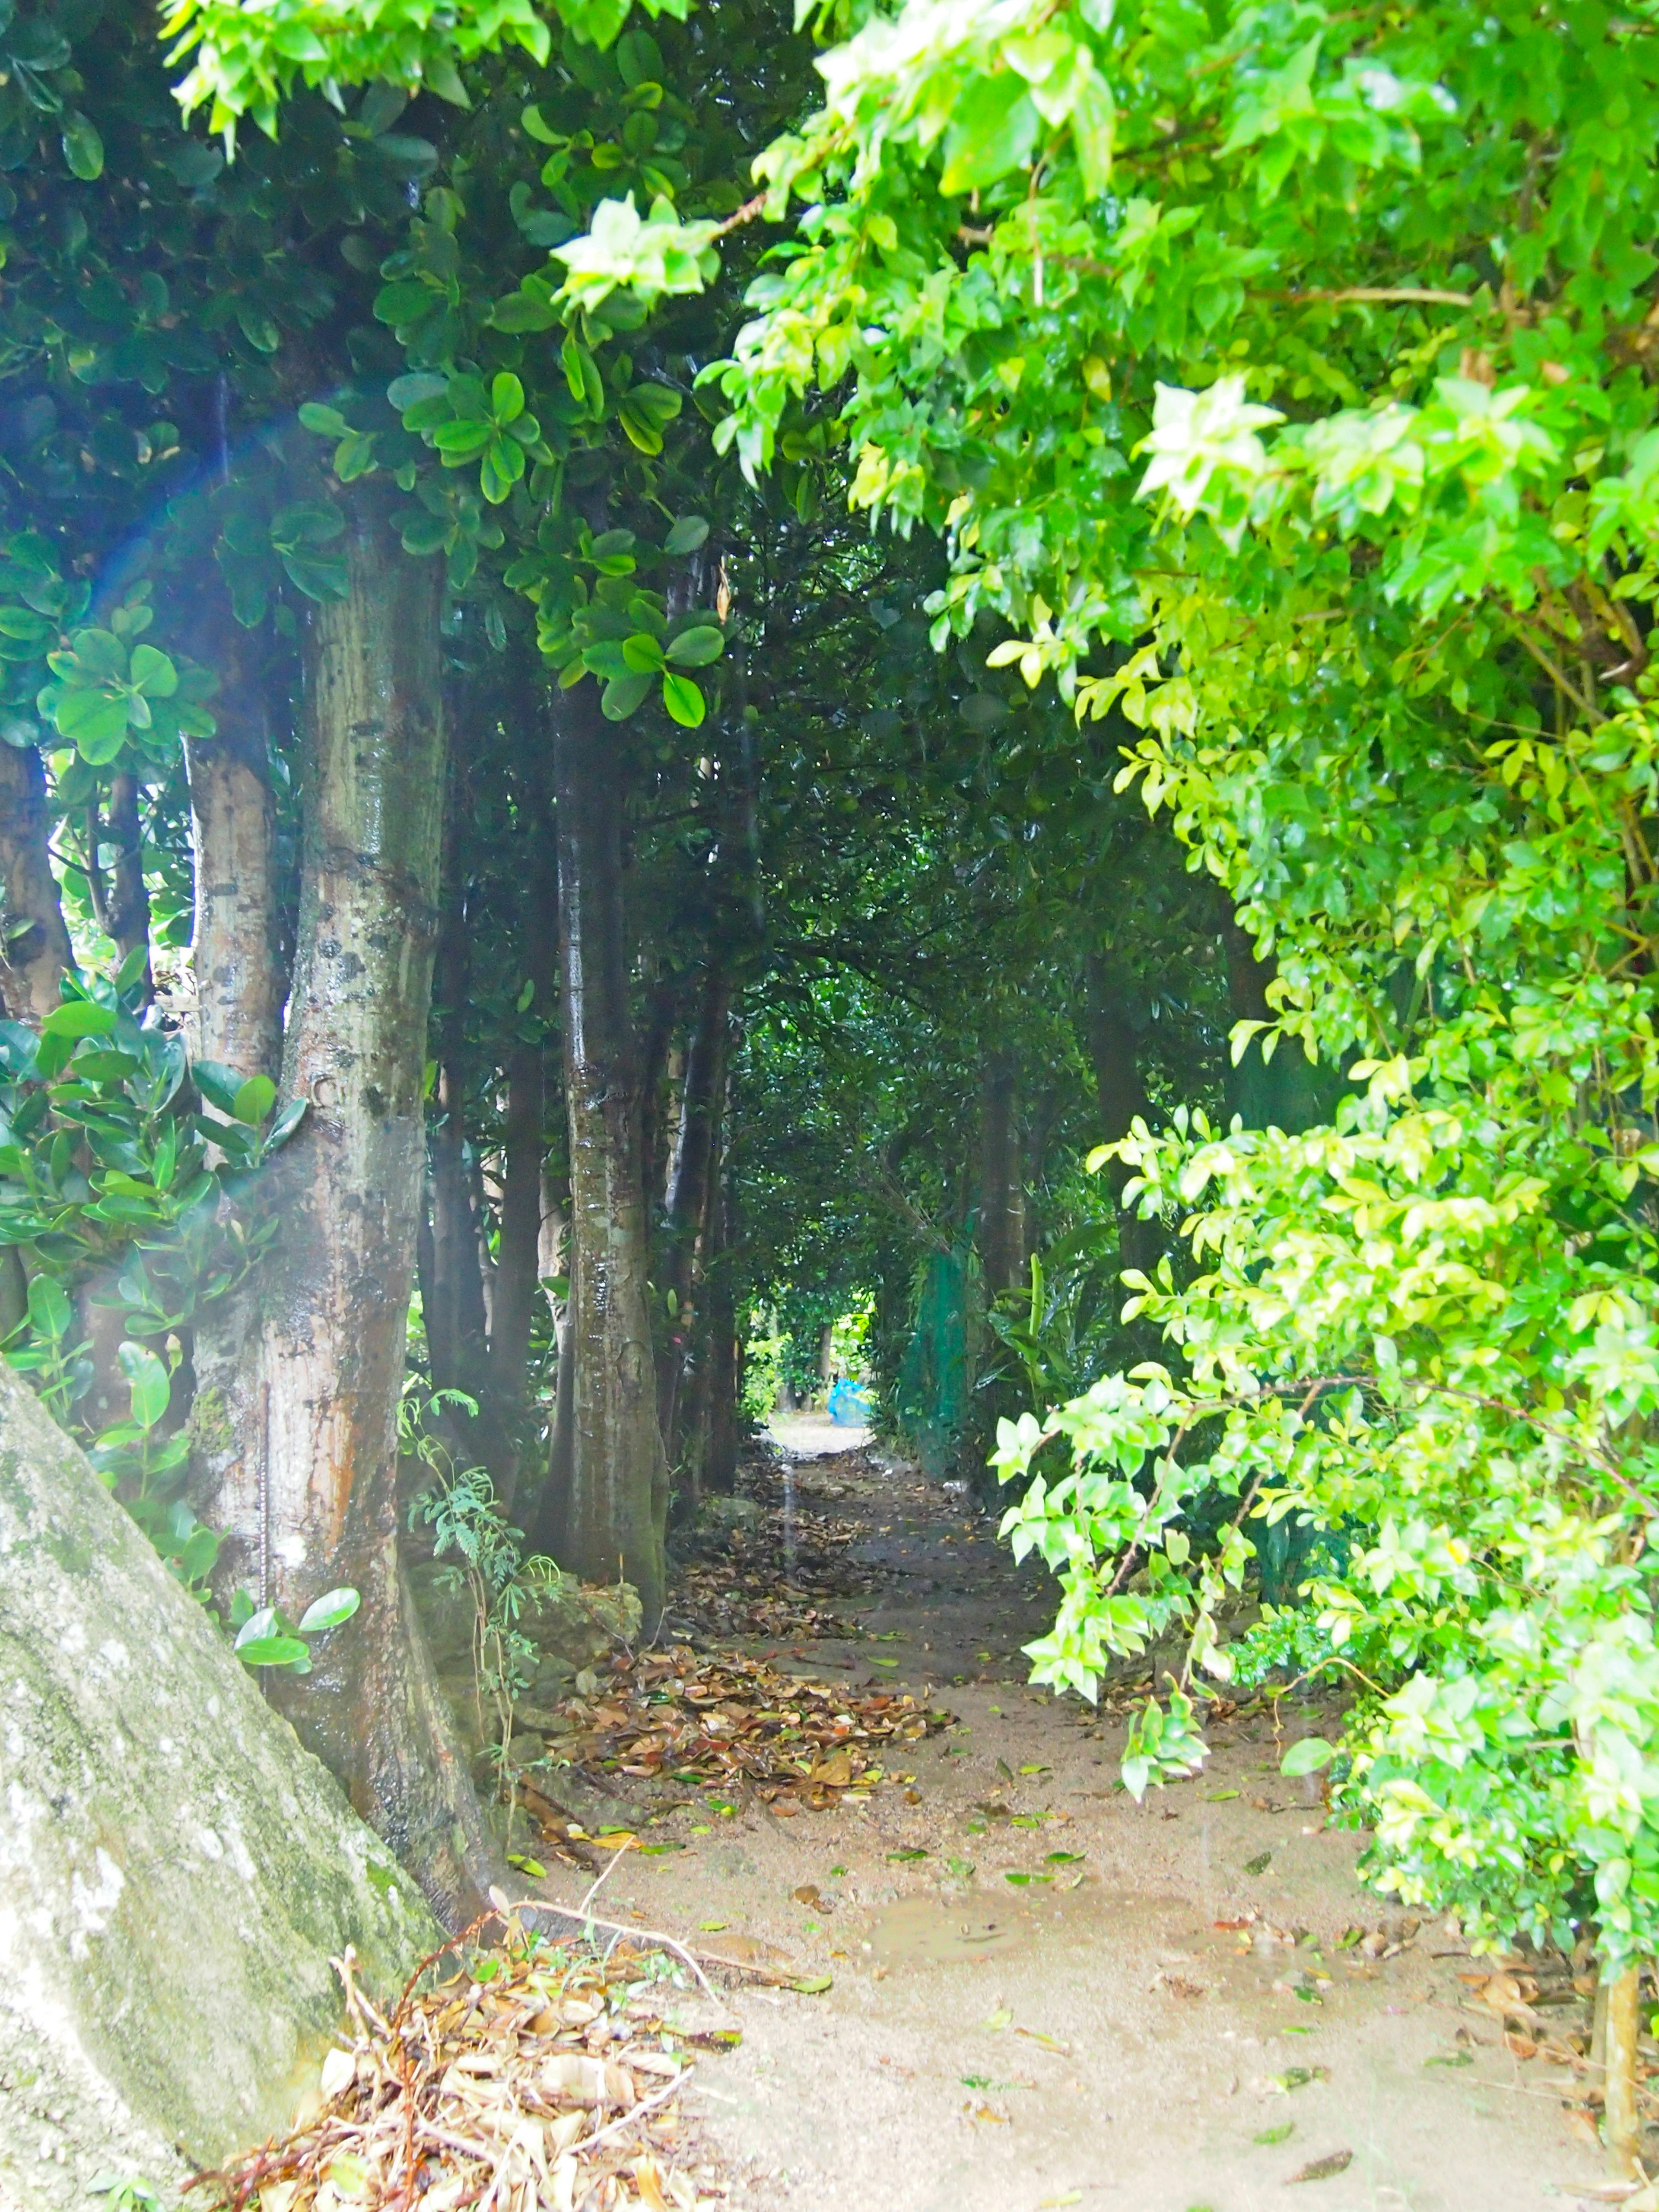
(694, 1153)
(124, 909)
(1621, 2091)
(234, 948)
(615, 1482)
(1121, 1099)
(310, 1501)
(1287, 1091)
(657, 1085)
(240, 985)
(519, 1269)
(34, 945)
(452, 1290)
(998, 1152)
(718, 1464)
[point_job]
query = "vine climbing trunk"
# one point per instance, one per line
(609, 1484)
(34, 945)
(311, 1502)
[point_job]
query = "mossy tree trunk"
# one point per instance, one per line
(312, 1496)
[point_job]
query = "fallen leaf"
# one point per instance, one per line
(1000, 2018)
(813, 1985)
(1260, 1864)
(1282, 2133)
(1323, 2169)
(1048, 2042)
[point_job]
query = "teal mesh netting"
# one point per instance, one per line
(931, 1399)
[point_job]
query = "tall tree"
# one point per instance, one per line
(310, 1501)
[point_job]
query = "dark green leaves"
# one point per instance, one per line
(83, 149)
(300, 535)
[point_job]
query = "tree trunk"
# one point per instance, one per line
(717, 1463)
(122, 907)
(997, 1156)
(34, 945)
(1287, 1091)
(1621, 2091)
(234, 947)
(695, 1153)
(614, 1481)
(657, 1077)
(518, 1264)
(312, 1501)
(513, 1308)
(452, 1291)
(1121, 1099)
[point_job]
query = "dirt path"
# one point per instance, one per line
(1085, 2032)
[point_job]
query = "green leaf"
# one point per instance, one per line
(148, 1382)
(152, 673)
(683, 701)
(690, 532)
(95, 723)
(1307, 1756)
(622, 696)
(254, 1100)
(83, 149)
(642, 653)
(79, 1018)
(273, 1652)
(330, 1610)
(696, 648)
(326, 422)
(50, 1312)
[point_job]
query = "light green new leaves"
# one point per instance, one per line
(656, 257)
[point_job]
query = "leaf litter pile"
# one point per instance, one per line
(537, 2076)
(721, 1721)
(781, 1577)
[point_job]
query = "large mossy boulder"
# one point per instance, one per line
(176, 1872)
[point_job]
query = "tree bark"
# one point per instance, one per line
(122, 905)
(1120, 1096)
(519, 1269)
(688, 1184)
(34, 945)
(997, 1156)
(614, 1481)
(311, 1502)
(452, 1288)
(235, 947)
(718, 1464)
(1287, 1091)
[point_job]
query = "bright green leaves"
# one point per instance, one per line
(467, 421)
(265, 1637)
(1162, 1746)
(655, 256)
(247, 61)
(110, 694)
(989, 133)
(644, 410)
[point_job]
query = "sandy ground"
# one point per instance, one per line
(1088, 2036)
